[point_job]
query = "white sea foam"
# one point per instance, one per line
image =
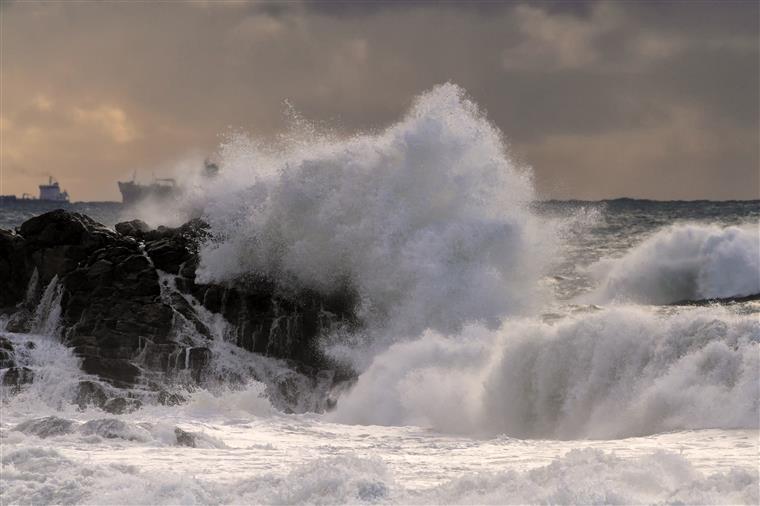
(683, 262)
(620, 372)
(593, 477)
(42, 476)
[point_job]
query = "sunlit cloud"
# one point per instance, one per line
(109, 119)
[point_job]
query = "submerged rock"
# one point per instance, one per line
(47, 426)
(184, 438)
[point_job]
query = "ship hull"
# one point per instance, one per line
(132, 193)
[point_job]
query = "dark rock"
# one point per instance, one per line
(167, 255)
(121, 405)
(112, 428)
(15, 269)
(90, 393)
(47, 426)
(721, 301)
(120, 320)
(18, 376)
(6, 359)
(170, 399)
(120, 372)
(198, 360)
(60, 227)
(185, 438)
(133, 228)
(5, 344)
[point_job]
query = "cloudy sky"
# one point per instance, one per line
(602, 99)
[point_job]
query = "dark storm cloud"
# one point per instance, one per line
(603, 99)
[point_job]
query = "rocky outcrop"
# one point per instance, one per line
(129, 296)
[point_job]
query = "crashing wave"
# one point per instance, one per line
(621, 372)
(683, 262)
(428, 220)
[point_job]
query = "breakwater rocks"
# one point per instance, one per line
(127, 302)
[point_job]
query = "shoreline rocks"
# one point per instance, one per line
(119, 314)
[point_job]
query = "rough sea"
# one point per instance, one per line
(513, 351)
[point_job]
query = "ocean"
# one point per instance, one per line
(512, 350)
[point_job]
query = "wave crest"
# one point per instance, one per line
(684, 262)
(428, 220)
(622, 372)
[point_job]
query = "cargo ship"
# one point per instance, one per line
(50, 192)
(161, 188)
(132, 192)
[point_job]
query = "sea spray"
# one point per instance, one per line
(428, 220)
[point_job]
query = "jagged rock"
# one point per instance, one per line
(119, 372)
(112, 428)
(170, 399)
(717, 300)
(6, 359)
(134, 228)
(18, 376)
(90, 393)
(14, 269)
(115, 316)
(6, 353)
(184, 438)
(121, 405)
(47, 426)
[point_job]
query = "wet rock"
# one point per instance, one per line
(6, 344)
(721, 301)
(133, 228)
(170, 399)
(185, 438)
(122, 405)
(47, 426)
(90, 393)
(59, 227)
(120, 372)
(113, 312)
(112, 428)
(18, 376)
(15, 269)
(6, 359)
(198, 361)
(6, 353)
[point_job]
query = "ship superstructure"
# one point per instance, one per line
(51, 192)
(132, 192)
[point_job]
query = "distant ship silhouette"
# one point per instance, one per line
(160, 189)
(132, 192)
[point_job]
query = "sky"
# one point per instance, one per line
(603, 99)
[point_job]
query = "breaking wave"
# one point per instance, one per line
(620, 372)
(427, 220)
(684, 262)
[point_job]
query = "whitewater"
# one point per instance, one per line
(511, 350)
